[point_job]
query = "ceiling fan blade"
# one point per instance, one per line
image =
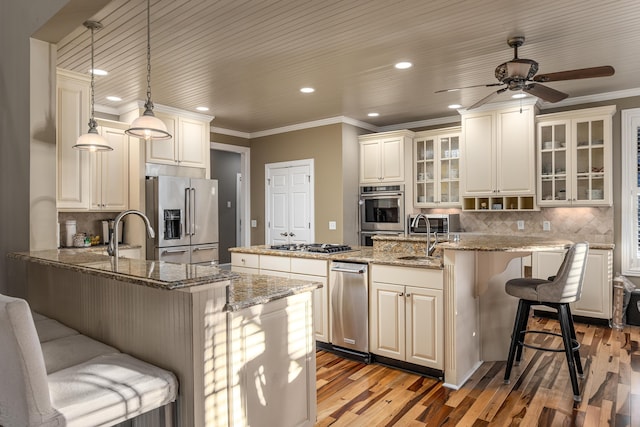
(455, 89)
(544, 92)
(583, 73)
(487, 98)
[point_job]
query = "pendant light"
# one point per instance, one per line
(92, 140)
(148, 126)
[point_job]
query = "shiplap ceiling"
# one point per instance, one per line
(247, 60)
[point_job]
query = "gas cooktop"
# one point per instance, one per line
(324, 248)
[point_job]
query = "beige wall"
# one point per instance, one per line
(324, 145)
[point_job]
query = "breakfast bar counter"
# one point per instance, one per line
(208, 326)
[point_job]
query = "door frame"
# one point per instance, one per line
(244, 208)
(267, 202)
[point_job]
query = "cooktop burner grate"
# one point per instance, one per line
(325, 248)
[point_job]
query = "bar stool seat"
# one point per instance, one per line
(557, 292)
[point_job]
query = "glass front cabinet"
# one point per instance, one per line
(574, 157)
(436, 171)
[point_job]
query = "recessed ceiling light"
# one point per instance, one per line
(519, 95)
(307, 90)
(98, 72)
(373, 114)
(403, 65)
(455, 106)
(202, 108)
(114, 98)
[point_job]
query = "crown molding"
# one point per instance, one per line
(230, 132)
(422, 123)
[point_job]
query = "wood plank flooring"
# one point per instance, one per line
(354, 394)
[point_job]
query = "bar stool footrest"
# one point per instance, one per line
(575, 345)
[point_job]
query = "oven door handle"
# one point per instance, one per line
(377, 196)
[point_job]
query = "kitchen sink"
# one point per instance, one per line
(419, 258)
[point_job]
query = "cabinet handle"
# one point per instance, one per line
(401, 294)
(242, 260)
(408, 295)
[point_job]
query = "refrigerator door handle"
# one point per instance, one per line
(187, 211)
(192, 200)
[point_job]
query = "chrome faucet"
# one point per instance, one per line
(430, 247)
(113, 243)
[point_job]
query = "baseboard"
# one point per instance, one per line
(579, 319)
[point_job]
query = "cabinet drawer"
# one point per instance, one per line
(277, 263)
(245, 260)
(313, 267)
(408, 276)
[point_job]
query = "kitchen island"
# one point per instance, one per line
(218, 331)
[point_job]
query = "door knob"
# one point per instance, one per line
(291, 234)
(285, 234)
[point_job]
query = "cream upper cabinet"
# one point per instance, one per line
(382, 156)
(498, 156)
(596, 298)
(574, 157)
(110, 171)
(436, 168)
(406, 311)
(72, 120)
(188, 146)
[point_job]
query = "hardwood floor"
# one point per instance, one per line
(354, 394)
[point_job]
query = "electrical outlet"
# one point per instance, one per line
(520, 224)
(332, 225)
(546, 225)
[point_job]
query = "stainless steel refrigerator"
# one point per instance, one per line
(184, 213)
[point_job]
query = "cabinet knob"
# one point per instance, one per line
(242, 260)
(408, 295)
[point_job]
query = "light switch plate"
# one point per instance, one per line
(546, 225)
(520, 224)
(332, 225)
(254, 223)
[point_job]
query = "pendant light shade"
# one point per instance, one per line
(148, 126)
(92, 140)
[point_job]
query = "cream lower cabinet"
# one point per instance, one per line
(272, 385)
(596, 298)
(296, 268)
(406, 314)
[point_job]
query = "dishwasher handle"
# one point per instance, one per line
(360, 270)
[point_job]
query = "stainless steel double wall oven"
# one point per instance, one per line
(381, 211)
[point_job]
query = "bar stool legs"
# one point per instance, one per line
(570, 343)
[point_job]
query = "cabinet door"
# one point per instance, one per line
(321, 326)
(449, 170)
(425, 327)
(73, 184)
(387, 320)
(554, 163)
(515, 165)
(595, 300)
(110, 172)
(370, 162)
(193, 142)
(591, 161)
(479, 155)
(425, 171)
(392, 159)
(164, 151)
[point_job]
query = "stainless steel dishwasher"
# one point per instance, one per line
(349, 306)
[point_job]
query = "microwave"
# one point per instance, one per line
(440, 223)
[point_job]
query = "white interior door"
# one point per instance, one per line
(289, 195)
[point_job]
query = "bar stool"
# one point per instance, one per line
(557, 293)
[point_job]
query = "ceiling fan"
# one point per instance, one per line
(520, 75)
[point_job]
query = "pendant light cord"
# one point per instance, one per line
(92, 122)
(149, 104)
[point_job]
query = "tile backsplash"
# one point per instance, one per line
(593, 224)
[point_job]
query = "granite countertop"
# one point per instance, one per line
(362, 254)
(243, 290)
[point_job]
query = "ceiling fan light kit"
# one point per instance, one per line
(92, 140)
(148, 126)
(520, 75)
